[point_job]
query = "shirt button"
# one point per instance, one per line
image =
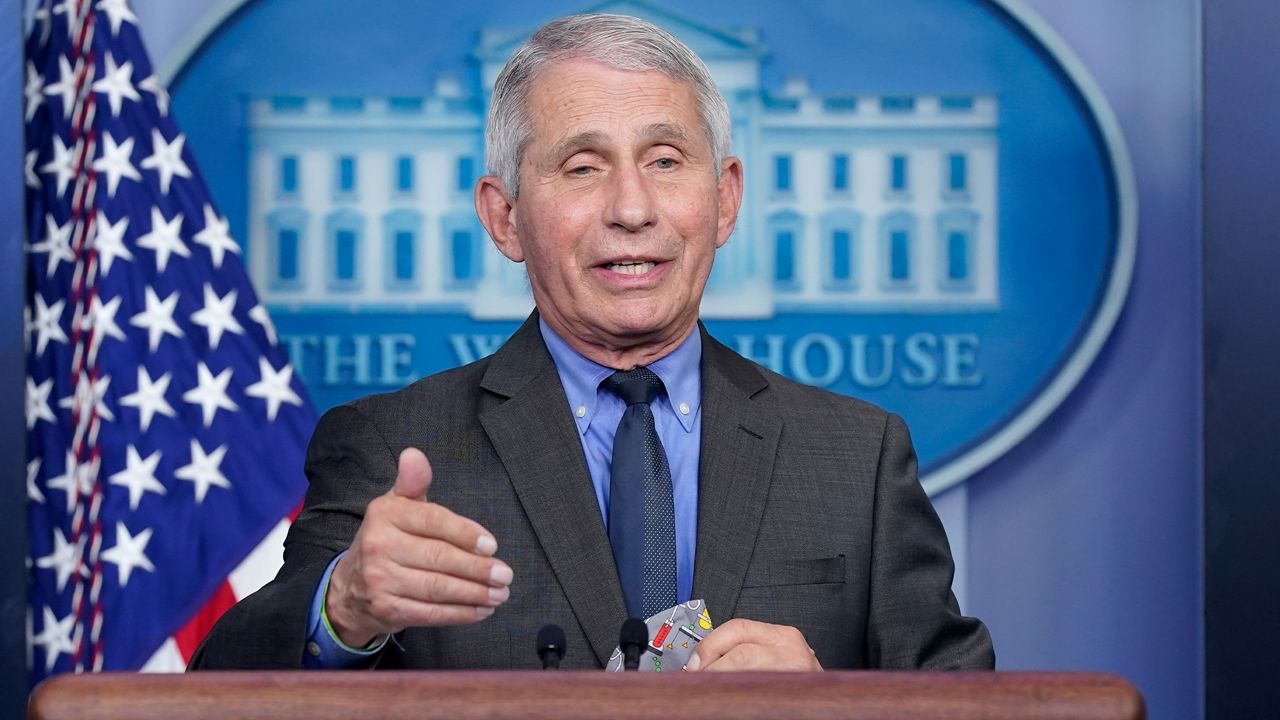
(684, 408)
(582, 411)
(314, 649)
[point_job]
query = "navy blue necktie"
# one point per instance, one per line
(642, 524)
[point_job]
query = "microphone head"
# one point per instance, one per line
(634, 632)
(551, 639)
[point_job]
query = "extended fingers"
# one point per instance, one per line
(413, 562)
(390, 580)
(415, 553)
(435, 587)
(429, 520)
(418, 553)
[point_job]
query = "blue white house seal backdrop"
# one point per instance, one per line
(939, 214)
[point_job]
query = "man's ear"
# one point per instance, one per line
(497, 213)
(729, 192)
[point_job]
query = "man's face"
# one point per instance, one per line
(620, 211)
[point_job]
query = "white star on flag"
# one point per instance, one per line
(48, 324)
(63, 163)
(274, 387)
(139, 476)
(29, 170)
(64, 558)
(108, 240)
(165, 238)
(157, 319)
(41, 16)
(152, 85)
(34, 91)
(76, 480)
(114, 161)
(215, 236)
(117, 84)
(129, 552)
(166, 159)
(102, 320)
(118, 12)
(55, 637)
(210, 393)
(68, 8)
(38, 402)
(33, 490)
(217, 315)
(259, 315)
(203, 470)
(149, 397)
(89, 392)
(65, 88)
(57, 242)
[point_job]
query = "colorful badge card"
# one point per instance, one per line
(673, 635)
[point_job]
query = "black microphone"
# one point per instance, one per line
(551, 646)
(632, 639)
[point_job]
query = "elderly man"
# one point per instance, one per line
(611, 459)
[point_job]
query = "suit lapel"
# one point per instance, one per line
(739, 442)
(538, 444)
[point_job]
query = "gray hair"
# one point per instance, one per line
(618, 41)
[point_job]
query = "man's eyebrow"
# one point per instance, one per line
(664, 131)
(576, 143)
(656, 132)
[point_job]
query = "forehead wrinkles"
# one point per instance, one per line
(567, 104)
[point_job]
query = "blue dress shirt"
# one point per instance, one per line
(597, 412)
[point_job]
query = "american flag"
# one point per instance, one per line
(166, 428)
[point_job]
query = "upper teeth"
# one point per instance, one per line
(634, 268)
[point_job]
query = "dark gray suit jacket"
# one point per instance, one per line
(809, 514)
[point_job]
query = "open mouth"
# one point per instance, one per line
(631, 268)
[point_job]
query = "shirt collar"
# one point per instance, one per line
(679, 370)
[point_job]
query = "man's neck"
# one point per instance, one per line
(622, 355)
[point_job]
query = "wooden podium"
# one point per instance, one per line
(319, 695)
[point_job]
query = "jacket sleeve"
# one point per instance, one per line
(348, 464)
(914, 620)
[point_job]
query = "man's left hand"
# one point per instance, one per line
(749, 645)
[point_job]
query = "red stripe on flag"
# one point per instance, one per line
(192, 634)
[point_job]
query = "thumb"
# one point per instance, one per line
(413, 476)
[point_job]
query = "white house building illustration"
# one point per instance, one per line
(853, 203)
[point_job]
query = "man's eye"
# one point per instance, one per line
(665, 163)
(581, 170)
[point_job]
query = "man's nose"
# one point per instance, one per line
(630, 205)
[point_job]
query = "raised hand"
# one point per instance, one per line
(414, 563)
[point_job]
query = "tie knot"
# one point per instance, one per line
(637, 386)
